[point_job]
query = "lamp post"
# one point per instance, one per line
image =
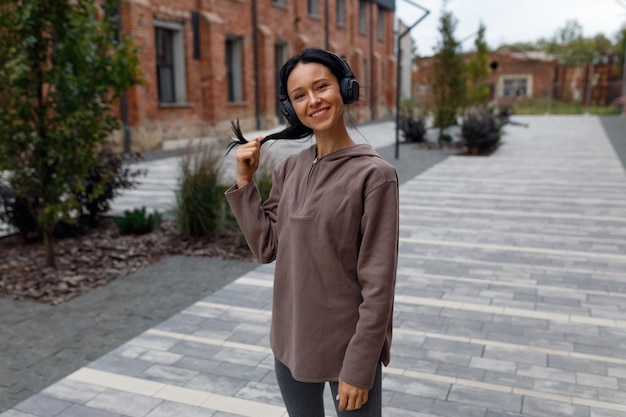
(398, 74)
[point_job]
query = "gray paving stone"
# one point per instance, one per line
(127, 404)
(409, 403)
(218, 384)
(43, 406)
(81, 411)
(454, 409)
(542, 407)
(73, 391)
(170, 409)
(168, 374)
(488, 399)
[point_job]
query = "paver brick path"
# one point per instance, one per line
(511, 301)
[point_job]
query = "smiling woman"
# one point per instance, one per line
(331, 225)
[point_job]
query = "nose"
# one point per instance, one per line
(313, 99)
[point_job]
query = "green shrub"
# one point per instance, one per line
(93, 195)
(480, 133)
(200, 203)
(138, 222)
(413, 129)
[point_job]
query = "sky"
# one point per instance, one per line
(509, 21)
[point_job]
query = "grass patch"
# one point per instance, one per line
(542, 106)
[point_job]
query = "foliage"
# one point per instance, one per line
(413, 128)
(570, 45)
(478, 71)
(449, 76)
(481, 132)
(138, 222)
(199, 199)
(63, 69)
(111, 173)
(16, 211)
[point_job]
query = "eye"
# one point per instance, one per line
(297, 96)
(322, 87)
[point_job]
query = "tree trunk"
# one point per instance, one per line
(48, 244)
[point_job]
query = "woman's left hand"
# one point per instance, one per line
(351, 397)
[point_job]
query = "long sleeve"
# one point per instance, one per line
(257, 221)
(376, 271)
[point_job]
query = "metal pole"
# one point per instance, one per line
(624, 78)
(398, 75)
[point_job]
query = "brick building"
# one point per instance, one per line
(206, 62)
(514, 76)
(595, 84)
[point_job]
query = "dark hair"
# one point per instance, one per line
(296, 130)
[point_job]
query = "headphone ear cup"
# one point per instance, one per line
(289, 112)
(349, 90)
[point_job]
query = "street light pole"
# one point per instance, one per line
(620, 2)
(399, 75)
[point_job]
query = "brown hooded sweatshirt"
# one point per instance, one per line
(331, 225)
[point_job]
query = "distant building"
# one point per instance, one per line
(208, 62)
(595, 84)
(513, 76)
(519, 75)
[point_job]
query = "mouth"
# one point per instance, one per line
(319, 113)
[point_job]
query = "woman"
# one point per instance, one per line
(331, 225)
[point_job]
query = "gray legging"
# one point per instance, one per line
(306, 399)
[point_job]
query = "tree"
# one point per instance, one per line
(64, 65)
(570, 45)
(478, 70)
(449, 77)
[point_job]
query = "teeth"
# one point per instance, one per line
(317, 113)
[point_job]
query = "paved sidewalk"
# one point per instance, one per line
(511, 301)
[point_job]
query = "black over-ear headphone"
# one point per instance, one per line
(348, 87)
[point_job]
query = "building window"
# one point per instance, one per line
(341, 12)
(381, 23)
(234, 70)
(313, 7)
(362, 15)
(515, 87)
(170, 62)
(280, 2)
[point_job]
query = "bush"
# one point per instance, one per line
(138, 222)
(200, 198)
(97, 189)
(480, 133)
(107, 178)
(18, 212)
(413, 129)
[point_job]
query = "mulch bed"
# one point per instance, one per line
(99, 257)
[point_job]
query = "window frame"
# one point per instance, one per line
(362, 23)
(179, 82)
(234, 69)
(340, 13)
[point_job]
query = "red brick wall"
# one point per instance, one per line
(543, 74)
(207, 111)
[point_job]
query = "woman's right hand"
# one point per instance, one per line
(248, 156)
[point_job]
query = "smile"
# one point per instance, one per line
(320, 113)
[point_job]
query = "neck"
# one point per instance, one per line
(332, 141)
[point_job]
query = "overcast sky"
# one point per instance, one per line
(509, 21)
